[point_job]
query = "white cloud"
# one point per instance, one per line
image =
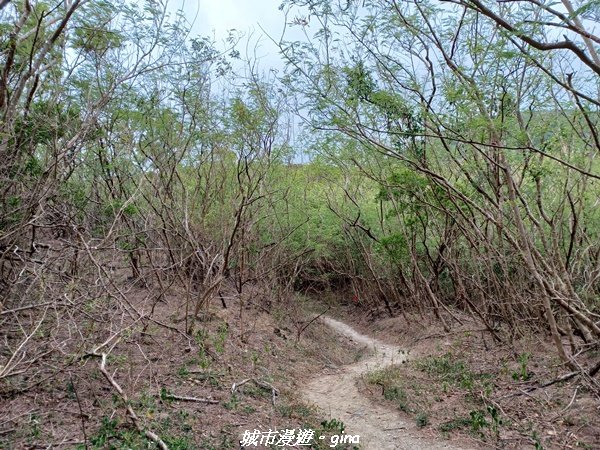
(218, 16)
(215, 18)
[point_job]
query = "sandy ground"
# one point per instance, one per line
(336, 393)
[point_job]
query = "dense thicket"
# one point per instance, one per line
(454, 168)
(477, 126)
(132, 156)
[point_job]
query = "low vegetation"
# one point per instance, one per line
(500, 398)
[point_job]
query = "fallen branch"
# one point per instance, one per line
(130, 412)
(300, 330)
(260, 383)
(23, 308)
(590, 373)
(564, 410)
(566, 377)
(443, 335)
(182, 398)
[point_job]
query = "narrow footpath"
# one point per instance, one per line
(379, 426)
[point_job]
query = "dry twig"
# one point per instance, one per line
(260, 383)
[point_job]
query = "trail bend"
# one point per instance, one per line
(337, 395)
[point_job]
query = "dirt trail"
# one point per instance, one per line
(337, 395)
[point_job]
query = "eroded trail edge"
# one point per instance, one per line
(337, 395)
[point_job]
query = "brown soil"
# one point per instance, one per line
(77, 408)
(68, 404)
